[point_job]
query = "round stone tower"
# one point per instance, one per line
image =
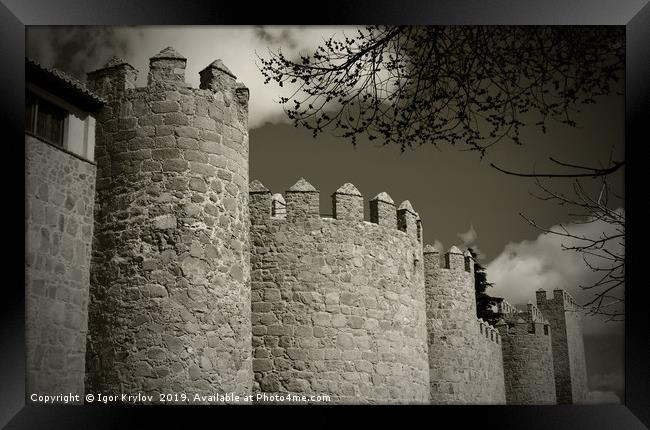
(338, 304)
(170, 295)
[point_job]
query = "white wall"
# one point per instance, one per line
(79, 130)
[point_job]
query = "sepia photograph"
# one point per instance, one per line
(299, 214)
(302, 210)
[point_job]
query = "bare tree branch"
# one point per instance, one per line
(603, 252)
(466, 85)
(594, 172)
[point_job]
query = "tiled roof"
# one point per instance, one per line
(62, 85)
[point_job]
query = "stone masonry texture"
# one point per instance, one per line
(162, 270)
(465, 357)
(59, 195)
(337, 306)
(170, 294)
(565, 320)
(527, 362)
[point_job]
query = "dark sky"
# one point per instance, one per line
(460, 198)
(450, 189)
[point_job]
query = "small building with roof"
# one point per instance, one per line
(60, 178)
(60, 110)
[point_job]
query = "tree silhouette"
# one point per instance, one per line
(471, 86)
(467, 85)
(484, 302)
(602, 253)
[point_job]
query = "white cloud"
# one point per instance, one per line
(600, 397)
(439, 246)
(469, 236)
(238, 47)
(524, 267)
(469, 239)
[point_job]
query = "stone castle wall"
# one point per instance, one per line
(59, 196)
(465, 359)
(202, 283)
(338, 304)
(170, 296)
(489, 359)
(565, 320)
(579, 386)
(527, 358)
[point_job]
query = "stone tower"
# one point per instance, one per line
(186, 278)
(465, 358)
(170, 293)
(527, 355)
(565, 318)
(338, 303)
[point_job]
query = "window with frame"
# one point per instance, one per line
(44, 119)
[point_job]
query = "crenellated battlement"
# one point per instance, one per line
(489, 332)
(328, 292)
(407, 219)
(535, 314)
(529, 312)
(527, 354)
(261, 292)
(172, 200)
(347, 203)
(560, 297)
(167, 70)
(566, 319)
(167, 127)
(454, 259)
(167, 66)
(302, 202)
(278, 206)
(115, 77)
(504, 307)
(382, 210)
(518, 324)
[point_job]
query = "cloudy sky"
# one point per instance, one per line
(460, 198)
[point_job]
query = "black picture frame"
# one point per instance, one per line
(16, 14)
